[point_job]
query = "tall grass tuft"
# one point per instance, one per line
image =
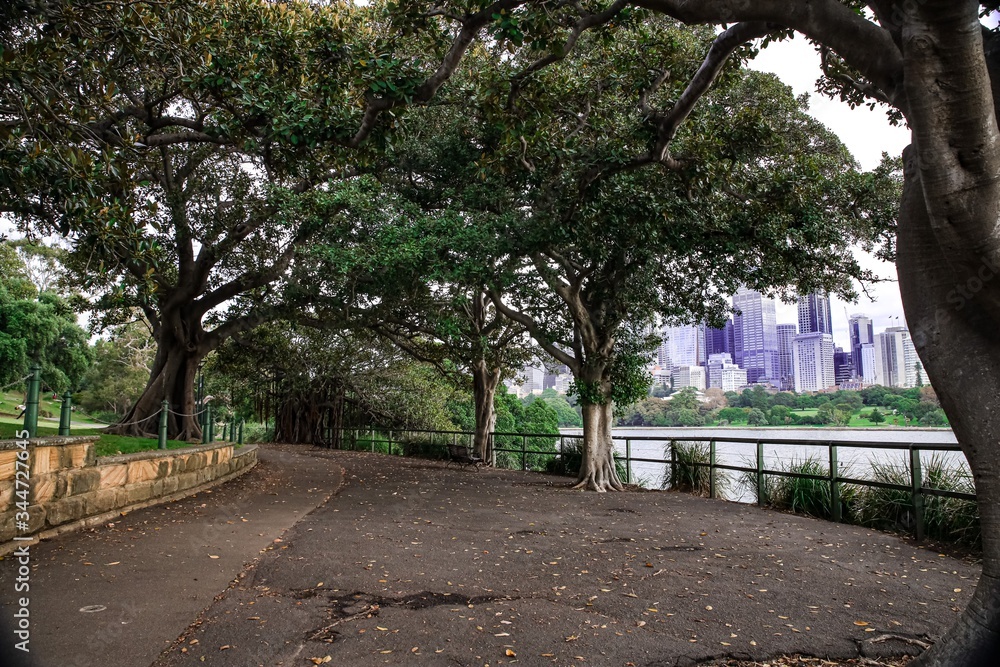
(947, 519)
(800, 494)
(689, 471)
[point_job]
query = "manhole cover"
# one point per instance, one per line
(92, 608)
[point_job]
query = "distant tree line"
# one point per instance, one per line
(758, 407)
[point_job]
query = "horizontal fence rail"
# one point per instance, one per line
(511, 450)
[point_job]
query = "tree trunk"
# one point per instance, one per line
(298, 418)
(484, 389)
(958, 345)
(335, 420)
(172, 379)
(597, 465)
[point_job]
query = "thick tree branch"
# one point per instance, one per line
(531, 325)
(668, 123)
(247, 281)
(587, 22)
(471, 26)
(862, 87)
(865, 46)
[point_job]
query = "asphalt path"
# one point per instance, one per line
(120, 594)
(412, 562)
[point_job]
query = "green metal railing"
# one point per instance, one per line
(397, 441)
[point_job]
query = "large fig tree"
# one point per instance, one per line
(582, 241)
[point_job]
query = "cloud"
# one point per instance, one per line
(866, 133)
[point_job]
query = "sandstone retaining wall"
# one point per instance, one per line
(69, 487)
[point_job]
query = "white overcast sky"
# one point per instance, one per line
(867, 134)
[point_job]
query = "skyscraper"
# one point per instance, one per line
(718, 341)
(895, 358)
(755, 336)
(867, 370)
(843, 369)
(724, 374)
(683, 346)
(786, 334)
(862, 333)
(688, 376)
(814, 313)
(813, 361)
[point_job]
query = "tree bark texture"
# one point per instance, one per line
(179, 351)
(298, 419)
(597, 466)
(484, 388)
(960, 349)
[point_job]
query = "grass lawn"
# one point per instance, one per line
(858, 420)
(109, 445)
(806, 412)
(9, 400)
(9, 426)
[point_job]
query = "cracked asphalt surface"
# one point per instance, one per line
(415, 563)
(411, 562)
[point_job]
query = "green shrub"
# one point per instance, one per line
(256, 432)
(689, 471)
(425, 447)
(105, 416)
(539, 452)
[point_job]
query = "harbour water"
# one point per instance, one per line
(811, 443)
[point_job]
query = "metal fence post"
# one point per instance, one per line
(673, 463)
(66, 413)
(916, 480)
(211, 425)
(711, 469)
(760, 473)
(31, 404)
(206, 419)
(524, 452)
(239, 439)
(835, 508)
(161, 440)
(628, 460)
